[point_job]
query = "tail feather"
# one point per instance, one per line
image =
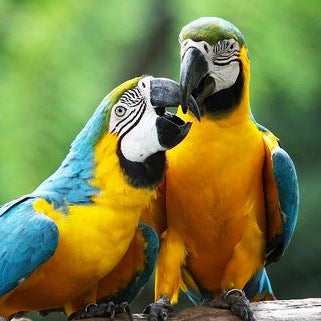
(259, 287)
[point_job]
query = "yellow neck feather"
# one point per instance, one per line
(244, 107)
(110, 179)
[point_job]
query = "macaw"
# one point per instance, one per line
(75, 244)
(229, 203)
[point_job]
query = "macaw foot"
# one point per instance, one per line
(3, 319)
(236, 301)
(160, 310)
(102, 310)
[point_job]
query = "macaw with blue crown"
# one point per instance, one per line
(229, 203)
(75, 244)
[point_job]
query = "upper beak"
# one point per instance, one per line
(193, 69)
(166, 93)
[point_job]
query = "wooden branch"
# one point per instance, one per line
(282, 310)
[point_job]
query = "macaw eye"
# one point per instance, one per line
(120, 111)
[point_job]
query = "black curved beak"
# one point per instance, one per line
(171, 129)
(166, 93)
(193, 69)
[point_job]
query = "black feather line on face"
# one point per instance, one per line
(147, 174)
(225, 101)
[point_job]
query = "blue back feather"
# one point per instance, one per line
(69, 184)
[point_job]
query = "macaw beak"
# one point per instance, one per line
(194, 68)
(166, 93)
(171, 129)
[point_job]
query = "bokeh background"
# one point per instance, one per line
(59, 58)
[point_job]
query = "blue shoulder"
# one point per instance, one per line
(28, 239)
(259, 126)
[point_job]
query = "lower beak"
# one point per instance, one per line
(193, 69)
(171, 129)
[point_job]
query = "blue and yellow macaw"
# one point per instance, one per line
(229, 204)
(76, 240)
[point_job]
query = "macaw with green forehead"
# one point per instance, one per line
(75, 244)
(230, 199)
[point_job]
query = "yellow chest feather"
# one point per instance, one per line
(214, 183)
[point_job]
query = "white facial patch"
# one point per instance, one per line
(142, 141)
(222, 60)
(133, 119)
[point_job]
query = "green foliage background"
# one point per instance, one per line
(59, 58)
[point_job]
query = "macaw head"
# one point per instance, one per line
(214, 65)
(144, 130)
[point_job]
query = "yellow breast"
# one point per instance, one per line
(213, 189)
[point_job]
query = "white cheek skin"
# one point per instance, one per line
(188, 43)
(112, 122)
(142, 141)
(225, 76)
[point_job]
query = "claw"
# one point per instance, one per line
(236, 301)
(90, 307)
(111, 309)
(108, 310)
(127, 310)
(239, 304)
(160, 310)
(124, 308)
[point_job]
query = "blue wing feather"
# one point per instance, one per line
(6, 207)
(286, 181)
(27, 240)
(288, 191)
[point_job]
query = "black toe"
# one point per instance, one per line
(159, 311)
(236, 301)
(102, 310)
(239, 304)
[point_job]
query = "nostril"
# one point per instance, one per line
(206, 48)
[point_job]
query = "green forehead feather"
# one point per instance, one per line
(112, 98)
(211, 30)
(115, 94)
